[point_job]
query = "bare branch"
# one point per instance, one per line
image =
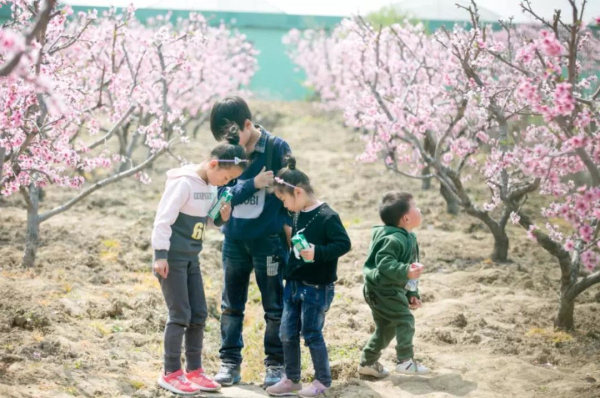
(107, 136)
(101, 184)
(460, 113)
(526, 7)
(72, 40)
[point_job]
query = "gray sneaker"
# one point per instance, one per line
(284, 388)
(273, 376)
(375, 370)
(228, 375)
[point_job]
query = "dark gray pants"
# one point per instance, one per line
(184, 294)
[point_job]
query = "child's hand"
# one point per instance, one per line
(415, 271)
(415, 303)
(263, 178)
(308, 254)
(225, 212)
(161, 267)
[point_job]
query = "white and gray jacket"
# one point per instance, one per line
(181, 218)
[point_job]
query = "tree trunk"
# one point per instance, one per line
(451, 202)
(500, 253)
(564, 319)
(33, 228)
(426, 183)
(2, 153)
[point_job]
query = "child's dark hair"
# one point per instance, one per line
(394, 205)
(232, 153)
(227, 111)
(292, 176)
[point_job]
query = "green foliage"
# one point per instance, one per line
(387, 16)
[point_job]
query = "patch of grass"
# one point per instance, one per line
(146, 282)
(37, 335)
(254, 293)
(111, 248)
(100, 328)
(343, 351)
(72, 391)
(254, 331)
(550, 335)
(67, 288)
(117, 329)
(138, 385)
(156, 349)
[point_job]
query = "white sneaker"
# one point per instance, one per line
(412, 367)
(375, 370)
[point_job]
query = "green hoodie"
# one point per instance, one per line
(391, 253)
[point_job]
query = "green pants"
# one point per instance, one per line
(392, 318)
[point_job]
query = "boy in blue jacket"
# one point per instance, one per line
(253, 241)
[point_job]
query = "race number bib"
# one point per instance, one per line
(251, 207)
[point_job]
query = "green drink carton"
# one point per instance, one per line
(215, 211)
(300, 243)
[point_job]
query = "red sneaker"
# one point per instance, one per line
(201, 379)
(179, 384)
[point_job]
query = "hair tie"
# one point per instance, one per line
(235, 160)
(282, 182)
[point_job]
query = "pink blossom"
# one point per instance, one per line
(586, 233)
(569, 245)
(550, 44)
(531, 232)
(514, 218)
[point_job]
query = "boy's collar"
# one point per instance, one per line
(261, 144)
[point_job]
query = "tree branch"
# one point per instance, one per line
(40, 25)
(107, 136)
(101, 184)
(585, 283)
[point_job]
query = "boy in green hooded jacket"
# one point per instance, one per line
(393, 260)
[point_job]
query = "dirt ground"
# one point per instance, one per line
(88, 319)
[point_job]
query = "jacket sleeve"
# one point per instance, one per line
(176, 193)
(388, 266)
(338, 242)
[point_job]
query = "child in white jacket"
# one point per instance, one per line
(179, 226)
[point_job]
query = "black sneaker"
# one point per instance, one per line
(228, 375)
(273, 376)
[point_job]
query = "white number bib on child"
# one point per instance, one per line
(251, 207)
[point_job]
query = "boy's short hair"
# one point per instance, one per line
(226, 111)
(394, 205)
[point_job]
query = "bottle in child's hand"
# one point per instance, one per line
(413, 284)
(215, 211)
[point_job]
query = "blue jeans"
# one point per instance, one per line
(304, 308)
(267, 256)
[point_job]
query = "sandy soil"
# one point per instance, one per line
(88, 320)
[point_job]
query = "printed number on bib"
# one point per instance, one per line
(198, 233)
